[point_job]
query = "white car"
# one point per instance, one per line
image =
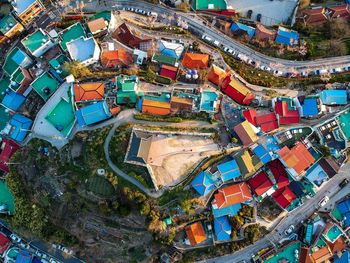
(289, 230)
(216, 43)
(323, 201)
(206, 38)
(15, 238)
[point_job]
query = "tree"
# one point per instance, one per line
(237, 222)
(184, 6)
(77, 69)
(325, 150)
(234, 140)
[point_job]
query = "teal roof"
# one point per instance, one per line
(42, 83)
(126, 83)
(344, 121)
(7, 23)
(4, 84)
(287, 253)
(34, 41)
(4, 117)
(106, 15)
(209, 4)
(308, 234)
(13, 60)
(162, 59)
(71, 33)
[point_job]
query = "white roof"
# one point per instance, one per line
(21, 5)
(176, 47)
(83, 49)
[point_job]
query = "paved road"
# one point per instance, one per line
(331, 188)
(198, 25)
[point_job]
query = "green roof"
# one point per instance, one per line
(18, 76)
(10, 66)
(4, 117)
(287, 253)
(4, 84)
(7, 23)
(126, 83)
(161, 59)
(106, 15)
(333, 233)
(344, 120)
(71, 33)
(62, 117)
(164, 97)
(45, 81)
(122, 96)
(57, 63)
(6, 197)
(209, 4)
(34, 41)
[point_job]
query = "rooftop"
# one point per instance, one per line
(93, 113)
(34, 41)
(83, 49)
(334, 97)
(22, 5)
(7, 23)
(209, 5)
(195, 61)
(6, 197)
(71, 33)
(229, 170)
(230, 195)
(344, 121)
(209, 101)
(287, 253)
(45, 85)
(203, 183)
(222, 228)
(89, 91)
(195, 233)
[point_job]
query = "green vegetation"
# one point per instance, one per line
(101, 187)
(154, 118)
(271, 93)
(150, 76)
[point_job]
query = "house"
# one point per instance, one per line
(71, 33)
(242, 29)
(216, 75)
(309, 106)
(24, 257)
(231, 195)
(222, 229)
(264, 34)
(93, 113)
(246, 133)
(8, 149)
(316, 175)
(27, 10)
(4, 116)
(334, 97)
(92, 91)
(162, 59)
(38, 43)
(98, 26)
(84, 50)
(19, 126)
(171, 49)
(337, 11)
(247, 163)
(132, 38)
(289, 251)
(267, 122)
(209, 5)
(236, 90)
(344, 258)
(209, 101)
(13, 101)
(321, 255)
(126, 89)
(286, 112)
(15, 61)
(287, 37)
(284, 197)
(297, 159)
(195, 61)
(279, 173)
(116, 58)
(155, 107)
(262, 153)
(229, 170)
(314, 16)
(261, 185)
(5, 243)
(204, 183)
(45, 85)
(180, 104)
(139, 56)
(195, 234)
(168, 71)
(343, 208)
(9, 26)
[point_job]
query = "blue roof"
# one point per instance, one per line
(345, 257)
(23, 257)
(316, 175)
(286, 36)
(93, 113)
(344, 209)
(20, 127)
(262, 154)
(203, 183)
(222, 228)
(170, 49)
(231, 210)
(36, 260)
(310, 107)
(334, 97)
(229, 170)
(13, 100)
(239, 26)
(19, 57)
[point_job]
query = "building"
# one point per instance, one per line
(263, 155)
(5, 243)
(267, 122)
(216, 75)
(155, 107)
(168, 71)
(264, 34)
(286, 111)
(310, 107)
(284, 197)
(27, 10)
(19, 126)
(231, 195)
(297, 159)
(242, 29)
(209, 102)
(162, 59)
(195, 61)
(180, 104)
(126, 89)
(92, 91)
(337, 11)
(195, 234)
(222, 229)
(246, 133)
(279, 173)
(8, 149)
(132, 38)
(204, 183)
(287, 37)
(261, 185)
(38, 43)
(208, 5)
(289, 252)
(98, 26)
(236, 90)
(93, 113)
(139, 56)
(84, 50)
(12, 100)
(9, 27)
(171, 49)
(334, 97)
(229, 170)
(116, 58)
(313, 16)
(45, 85)
(342, 211)
(71, 33)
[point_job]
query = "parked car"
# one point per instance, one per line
(343, 183)
(216, 43)
(258, 18)
(289, 230)
(206, 38)
(249, 14)
(15, 238)
(323, 201)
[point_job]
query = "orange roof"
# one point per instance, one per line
(298, 158)
(176, 99)
(195, 61)
(195, 233)
(321, 255)
(115, 58)
(230, 195)
(96, 25)
(155, 107)
(216, 74)
(89, 91)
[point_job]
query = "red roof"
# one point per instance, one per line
(279, 172)
(237, 91)
(250, 116)
(230, 195)
(4, 243)
(168, 71)
(340, 11)
(284, 197)
(314, 16)
(260, 183)
(128, 37)
(8, 147)
(286, 115)
(267, 122)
